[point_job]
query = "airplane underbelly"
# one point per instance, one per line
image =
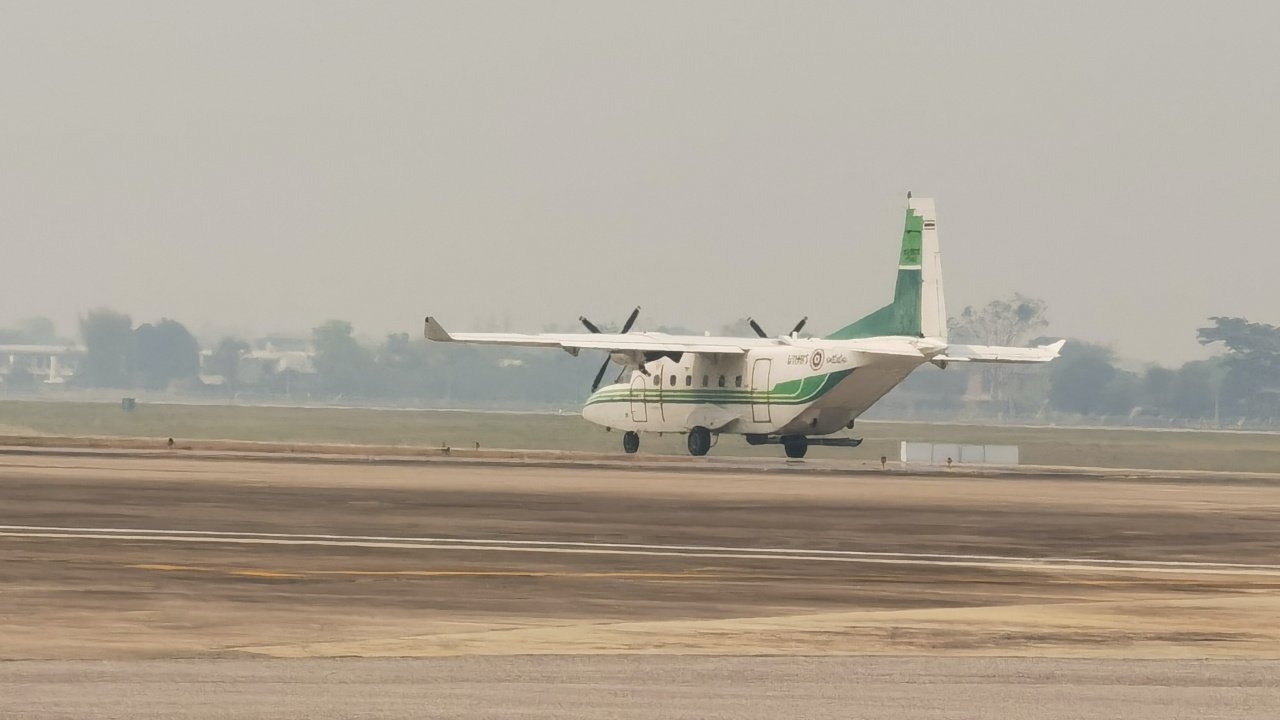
(848, 400)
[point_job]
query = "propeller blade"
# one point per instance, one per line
(588, 324)
(631, 320)
(796, 330)
(600, 375)
(756, 326)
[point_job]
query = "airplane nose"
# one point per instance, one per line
(594, 412)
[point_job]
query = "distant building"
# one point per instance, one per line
(49, 364)
(271, 355)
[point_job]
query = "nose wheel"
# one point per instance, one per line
(630, 442)
(699, 441)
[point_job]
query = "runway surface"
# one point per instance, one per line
(643, 687)
(604, 578)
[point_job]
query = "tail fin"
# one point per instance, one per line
(918, 307)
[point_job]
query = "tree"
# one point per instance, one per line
(30, 331)
(225, 360)
(166, 352)
(1193, 392)
(1251, 386)
(1001, 322)
(1079, 380)
(404, 366)
(342, 364)
(109, 348)
(1159, 385)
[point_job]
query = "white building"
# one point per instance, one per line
(50, 364)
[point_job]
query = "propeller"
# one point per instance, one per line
(590, 326)
(760, 331)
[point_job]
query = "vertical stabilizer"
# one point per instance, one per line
(933, 306)
(918, 308)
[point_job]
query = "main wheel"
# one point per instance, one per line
(630, 442)
(699, 441)
(795, 446)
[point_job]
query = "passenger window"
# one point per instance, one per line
(737, 381)
(657, 380)
(688, 380)
(673, 381)
(705, 380)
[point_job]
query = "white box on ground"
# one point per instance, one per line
(973, 454)
(942, 451)
(917, 453)
(1002, 454)
(923, 453)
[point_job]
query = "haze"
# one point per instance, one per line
(258, 167)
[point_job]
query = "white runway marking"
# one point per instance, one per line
(634, 549)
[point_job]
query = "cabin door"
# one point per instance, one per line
(638, 413)
(760, 390)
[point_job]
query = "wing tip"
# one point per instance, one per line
(433, 330)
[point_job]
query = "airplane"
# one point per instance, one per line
(788, 390)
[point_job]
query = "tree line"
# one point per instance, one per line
(1241, 384)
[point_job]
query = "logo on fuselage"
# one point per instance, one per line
(815, 360)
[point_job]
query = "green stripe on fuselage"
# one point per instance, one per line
(791, 392)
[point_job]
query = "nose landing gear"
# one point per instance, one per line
(630, 442)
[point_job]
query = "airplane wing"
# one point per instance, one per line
(614, 342)
(997, 354)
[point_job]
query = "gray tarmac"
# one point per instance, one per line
(161, 586)
(643, 687)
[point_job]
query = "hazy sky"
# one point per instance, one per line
(266, 166)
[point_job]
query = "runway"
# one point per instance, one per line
(719, 552)
(137, 561)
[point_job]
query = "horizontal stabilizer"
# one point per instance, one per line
(997, 354)
(436, 332)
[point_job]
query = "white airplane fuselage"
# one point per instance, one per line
(802, 387)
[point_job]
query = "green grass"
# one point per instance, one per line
(1092, 447)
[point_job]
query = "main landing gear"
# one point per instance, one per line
(699, 441)
(795, 445)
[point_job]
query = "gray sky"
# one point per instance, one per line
(266, 166)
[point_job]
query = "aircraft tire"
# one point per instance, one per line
(795, 446)
(630, 442)
(699, 441)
